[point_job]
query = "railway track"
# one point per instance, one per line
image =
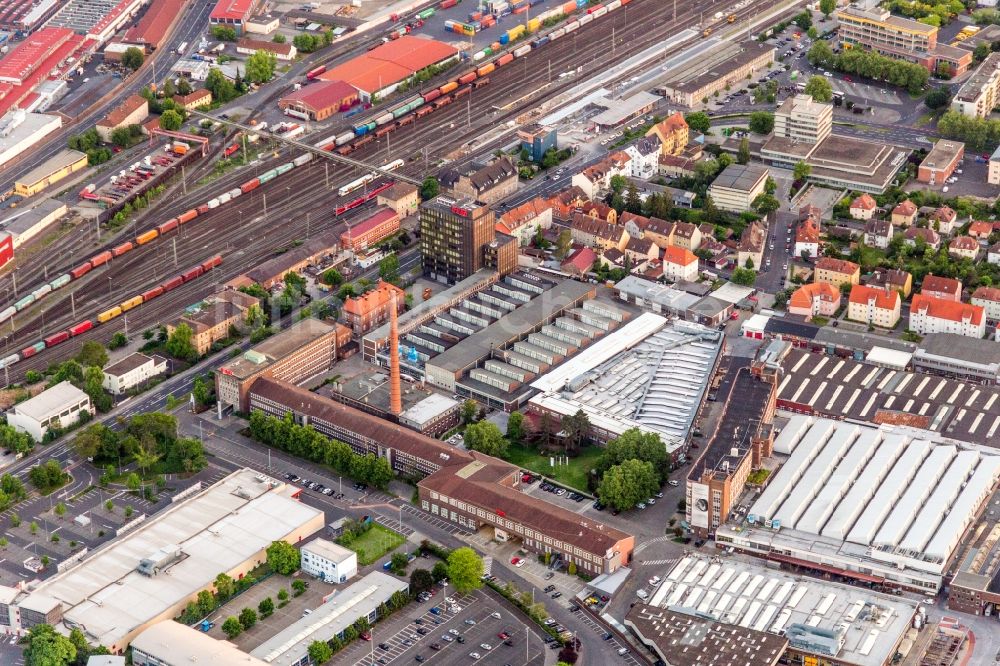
(245, 236)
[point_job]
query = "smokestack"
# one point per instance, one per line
(395, 393)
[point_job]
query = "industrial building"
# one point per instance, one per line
(371, 309)
(737, 186)
(290, 646)
(467, 488)
(650, 374)
(729, 65)
(959, 356)
(319, 100)
(132, 371)
(233, 13)
(817, 621)
(150, 30)
(328, 561)
(371, 231)
(304, 350)
(421, 409)
(171, 643)
(19, 131)
(60, 165)
(975, 583)
(941, 162)
(58, 407)
(885, 505)
(132, 111)
(24, 225)
(150, 574)
(37, 59)
(311, 253)
(379, 71)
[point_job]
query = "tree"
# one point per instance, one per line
(938, 98)
(132, 58)
(469, 409)
(803, 20)
(634, 444)
(180, 344)
(202, 392)
(183, 86)
(232, 627)
(698, 121)
(439, 572)
(279, 39)
(283, 558)
(224, 32)
(265, 607)
(92, 353)
(744, 276)
(223, 90)
(761, 122)
(121, 137)
(320, 652)
(47, 476)
(225, 586)
(564, 244)
(827, 7)
(298, 587)
(248, 618)
(332, 277)
(206, 602)
(171, 120)
(765, 204)
(486, 438)
(465, 570)
(117, 341)
(45, 647)
(981, 51)
(820, 54)
(429, 188)
(801, 170)
(625, 485)
(421, 580)
(743, 154)
(388, 269)
(819, 89)
(515, 428)
(398, 562)
(59, 509)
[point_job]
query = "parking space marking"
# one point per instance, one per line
(598, 629)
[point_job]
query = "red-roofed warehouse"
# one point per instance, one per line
(233, 13)
(384, 67)
(319, 100)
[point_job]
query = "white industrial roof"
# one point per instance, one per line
(51, 401)
(771, 600)
(329, 550)
(886, 488)
(217, 530)
(175, 643)
(428, 408)
(732, 293)
(890, 358)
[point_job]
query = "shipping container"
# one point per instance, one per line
(55, 339)
(249, 186)
(534, 24)
(224, 198)
(204, 208)
(568, 7)
(61, 281)
(150, 235)
(585, 19)
(485, 69)
(505, 59)
(214, 203)
(82, 327)
(108, 315)
(478, 55)
(614, 4)
(522, 50)
(344, 138)
(173, 283)
(516, 32)
(284, 168)
(212, 263)
(99, 259)
(504, 39)
(556, 34)
(24, 302)
(467, 78)
(169, 225)
(235, 192)
(81, 270)
(571, 26)
(152, 293)
(8, 313)
(431, 95)
(10, 360)
(448, 4)
(130, 303)
(360, 129)
(448, 87)
(192, 273)
(304, 159)
(426, 14)
(184, 218)
(599, 12)
(487, 22)
(28, 352)
(383, 119)
(314, 72)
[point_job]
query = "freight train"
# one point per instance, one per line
(82, 327)
(420, 105)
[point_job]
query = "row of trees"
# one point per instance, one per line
(977, 133)
(938, 14)
(44, 646)
(307, 43)
(870, 64)
(632, 468)
(150, 440)
(305, 442)
(89, 142)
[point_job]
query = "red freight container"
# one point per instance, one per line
(250, 185)
(169, 225)
(487, 22)
(28, 352)
(345, 150)
(505, 59)
(100, 259)
(569, 8)
(432, 95)
(192, 273)
(6, 248)
(467, 78)
(188, 216)
(463, 91)
(202, 209)
(122, 249)
(212, 263)
(173, 283)
(313, 73)
(448, 4)
(152, 293)
(82, 327)
(53, 340)
(81, 270)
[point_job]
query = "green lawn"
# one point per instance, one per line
(574, 474)
(374, 543)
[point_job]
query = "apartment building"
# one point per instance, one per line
(943, 219)
(905, 213)
(937, 315)
(807, 237)
(878, 233)
(679, 264)
(863, 207)
(490, 184)
(947, 288)
(132, 111)
(817, 299)
(879, 30)
(988, 298)
(524, 221)
(891, 278)
(372, 309)
(737, 186)
(964, 247)
(993, 175)
(593, 232)
(801, 119)
(132, 371)
(836, 271)
(750, 251)
(672, 132)
(214, 318)
(980, 94)
(874, 306)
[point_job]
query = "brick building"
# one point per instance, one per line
(371, 309)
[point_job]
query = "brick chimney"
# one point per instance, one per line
(395, 391)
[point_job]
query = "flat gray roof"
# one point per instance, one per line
(741, 177)
(620, 110)
(960, 348)
(50, 401)
(858, 340)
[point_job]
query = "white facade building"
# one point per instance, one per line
(132, 371)
(328, 561)
(59, 406)
(645, 154)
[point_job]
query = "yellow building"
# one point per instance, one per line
(672, 133)
(52, 170)
(837, 271)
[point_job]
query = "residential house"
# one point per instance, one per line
(495, 181)
(403, 197)
(372, 309)
(818, 299)
(579, 262)
(592, 232)
(981, 229)
(213, 321)
(891, 278)
(874, 306)
(634, 224)
(566, 201)
(687, 236)
(836, 271)
(946, 288)
(938, 315)
(661, 232)
(600, 210)
(672, 133)
(641, 251)
(248, 47)
(677, 166)
(194, 100)
(878, 233)
(988, 298)
(593, 179)
(751, 247)
(679, 264)
(863, 207)
(964, 247)
(132, 371)
(807, 237)
(914, 234)
(993, 254)
(644, 157)
(132, 111)
(943, 220)
(525, 220)
(904, 214)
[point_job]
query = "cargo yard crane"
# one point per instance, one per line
(395, 175)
